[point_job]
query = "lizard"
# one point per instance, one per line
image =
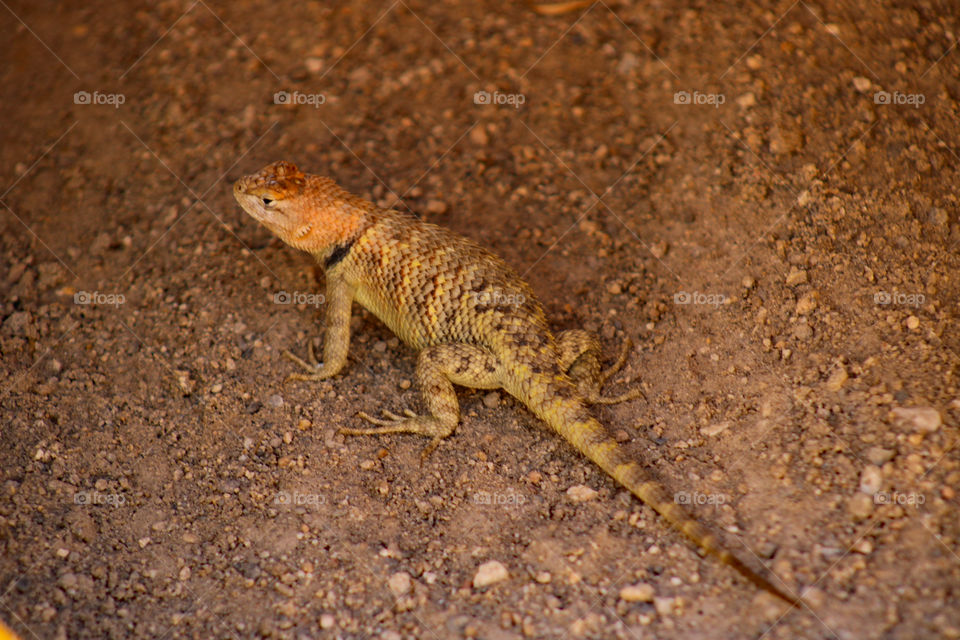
(473, 320)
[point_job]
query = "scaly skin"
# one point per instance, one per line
(473, 320)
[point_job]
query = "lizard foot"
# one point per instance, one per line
(412, 423)
(593, 396)
(313, 368)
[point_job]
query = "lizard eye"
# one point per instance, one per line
(266, 201)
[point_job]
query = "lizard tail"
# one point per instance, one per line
(567, 415)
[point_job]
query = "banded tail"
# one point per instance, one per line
(571, 419)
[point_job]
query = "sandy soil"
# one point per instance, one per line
(762, 198)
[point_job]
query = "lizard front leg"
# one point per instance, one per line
(438, 369)
(336, 344)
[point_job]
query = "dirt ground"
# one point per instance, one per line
(762, 198)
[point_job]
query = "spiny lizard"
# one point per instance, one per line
(472, 319)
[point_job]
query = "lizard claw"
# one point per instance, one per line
(312, 366)
(391, 420)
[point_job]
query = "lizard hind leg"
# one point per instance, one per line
(438, 369)
(580, 358)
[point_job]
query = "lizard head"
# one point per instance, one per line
(307, 212)
(271, 197)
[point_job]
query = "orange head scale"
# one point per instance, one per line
(307, 212)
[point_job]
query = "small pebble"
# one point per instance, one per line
(747, 100)
(879, 456)
(863, 546)
(923, 419)
(913, 322)
(491, 400)
(837, 379)
(628, 63)
(871, 479)
(816, 598)
(490, 573)
(659, 249)
(436, 207)
(581, 493)
(664, 606)
(640, 592)
(400, 583)
(802, 330)
(68, 581)
(860, 506)
(478, 136)
(807, 304)
(861, 84)
(275, 401)
(715, 429)
(769, 607)
(327, 621)
(797, 276)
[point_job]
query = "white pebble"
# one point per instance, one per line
(664, 606)
(490, 573)
(715, 429)
(640, 592)
(581, 493)
(925, 419)
(400, 583)
(871, 479)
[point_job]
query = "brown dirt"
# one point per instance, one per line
(149, 441)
